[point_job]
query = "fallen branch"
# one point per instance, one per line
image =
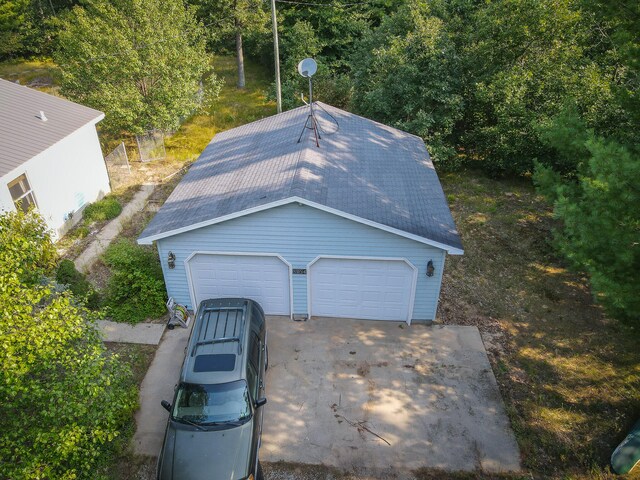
(361, 426)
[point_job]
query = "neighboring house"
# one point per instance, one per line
(357, 228)
(50, 156)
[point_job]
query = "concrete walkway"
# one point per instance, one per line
(112, 229)
(144, 333)
(158, 385)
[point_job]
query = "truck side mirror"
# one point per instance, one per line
(166, 405)
(260, 402)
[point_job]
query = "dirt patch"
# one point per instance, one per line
(137, 356)
(134, 467)
(363, 369)
(301, 471)
(99, 275)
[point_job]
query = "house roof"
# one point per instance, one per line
(363, 170)
(23, 135)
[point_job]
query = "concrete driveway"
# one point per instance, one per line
(382, 397)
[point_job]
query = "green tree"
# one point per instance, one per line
(29, 27)
(406, 75)
(522, 60)
(227, 19)
(63, 398)
(13, 27)
(299, 42)
(141, 62)
(598, 206)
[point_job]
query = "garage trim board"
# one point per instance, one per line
(412, 292)
(191, 283)
(451, 250)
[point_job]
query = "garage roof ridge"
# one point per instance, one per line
(366, 171)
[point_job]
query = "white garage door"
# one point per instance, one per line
(368, 289)
(264, 279)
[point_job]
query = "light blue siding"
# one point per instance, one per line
(300, 234)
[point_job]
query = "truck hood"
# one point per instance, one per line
(191, 454)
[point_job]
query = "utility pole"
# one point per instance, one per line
(276, 53)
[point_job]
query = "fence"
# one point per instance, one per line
(118, 166)
(151, 146)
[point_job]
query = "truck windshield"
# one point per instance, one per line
(212, 404)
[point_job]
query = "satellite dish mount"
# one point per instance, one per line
(307, 68)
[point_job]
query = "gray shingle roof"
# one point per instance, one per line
(23, 135)
(362, 168)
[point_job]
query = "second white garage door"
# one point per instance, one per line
(264, 279)
(361, 288)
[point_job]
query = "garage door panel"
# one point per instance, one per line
(369, 289)
(264, 279)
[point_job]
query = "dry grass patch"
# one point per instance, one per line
(570, 376)
(42, 74)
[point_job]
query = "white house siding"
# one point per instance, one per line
(63, 178)
(300, 234)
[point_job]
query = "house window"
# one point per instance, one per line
(21, 193)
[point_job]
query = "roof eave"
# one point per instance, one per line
(451, 250)
(20, 166)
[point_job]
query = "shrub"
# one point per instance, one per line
(67, 274)
(105, 209)
(136, 288)
(26, 247)
(63, 398)
(79, 232)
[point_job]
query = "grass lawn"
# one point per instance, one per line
(41, 74)
(569, 376)
(233, 108)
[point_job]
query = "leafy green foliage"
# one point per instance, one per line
(29, 27)
(104, 209)
(599, 211)
(411, 79)
(136, 289)
(300, 41)
(13, 27)
(140, 62)
(525, 58)
(67, 274)
(28, 253)
(63, 398)
(225, 18)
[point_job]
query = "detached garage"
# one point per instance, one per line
(358, 227)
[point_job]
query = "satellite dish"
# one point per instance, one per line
(307, 67)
